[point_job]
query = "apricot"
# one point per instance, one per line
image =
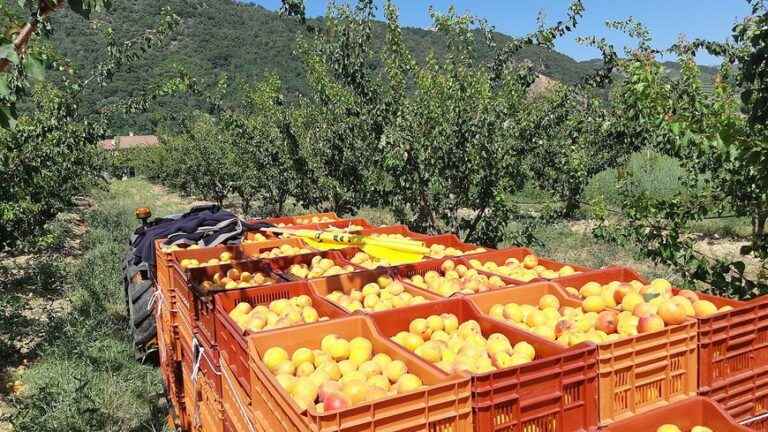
(672, 313)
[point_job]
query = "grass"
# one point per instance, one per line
(576, 245)
(734, 228)
(83, 376)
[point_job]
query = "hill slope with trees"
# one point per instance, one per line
(240, 40)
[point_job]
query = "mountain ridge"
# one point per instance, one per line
(243, 40)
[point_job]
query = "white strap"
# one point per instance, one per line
(157, 294)
(210, 363)
(196, 348)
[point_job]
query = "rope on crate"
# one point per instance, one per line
(199, 349)
(210, 363)
(243, 411)
(156, 296)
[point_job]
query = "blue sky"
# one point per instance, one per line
(709, 19)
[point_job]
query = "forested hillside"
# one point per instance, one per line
(225, 37)
(244, 42)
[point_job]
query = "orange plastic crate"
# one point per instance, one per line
(164, 328)
(186, 283)
(350, 281)
(394, 229)
(443, 405)
(421, 268)
(228, 425)
(162, 265)
(201, 352)
(205, 306)
(240, 252)
(252, 250)
(211, 412)
(279, 266)
(730, 342)
(697, 411)
(341, 224)
(191, 396)
(555, 392)
(231, 339)
(743, 396)
(449, 240)
(203, 254)
(170, 370)
(236, 402)
(637, 373)
(184, 333)
(499, 257)
(299, 219)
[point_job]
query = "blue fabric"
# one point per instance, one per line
(193, 227)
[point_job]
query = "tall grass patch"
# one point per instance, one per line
(86, 377)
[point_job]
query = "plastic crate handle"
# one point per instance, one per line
(755, 419)
(497, 401)
(742, 340)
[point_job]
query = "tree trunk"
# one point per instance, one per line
(245, 206)
(571, 206)
(281, 204)
(475, 222)
(758, 232)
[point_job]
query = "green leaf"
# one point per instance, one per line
(5, 88)
(650, 296)
(80, 7)
(85, 7)
(7, 117)
(8, 52)
(35, 68)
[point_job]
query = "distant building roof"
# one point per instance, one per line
(130, 141)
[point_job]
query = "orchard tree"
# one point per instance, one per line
(334, 129)
(48, 141)
(206, 159)
(722, 151)
(458, 143)
(266, 160)
(567, 132)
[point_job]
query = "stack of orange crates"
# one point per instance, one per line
(216, 380)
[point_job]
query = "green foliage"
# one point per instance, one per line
(48, 145)
(246, 42)
(294, 8)
(716, 147)
(333, 130)
(751, 36)
(46, 160)
(85, 376)
(204, 159)
(453, 152)
(650, 174)
(568, 136)
(265, 159)
(244, 149)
